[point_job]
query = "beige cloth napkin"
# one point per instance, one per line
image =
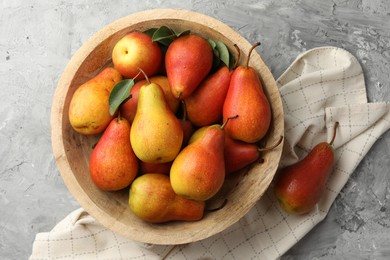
(322, 86)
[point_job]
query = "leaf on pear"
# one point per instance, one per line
(216, 60)
(165, 35)
(223, 52)
(212, 43)
(119, 94)
(150, 31)
(178, 34)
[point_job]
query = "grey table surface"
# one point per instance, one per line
(38, 38)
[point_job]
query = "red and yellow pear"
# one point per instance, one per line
(113, 164)
(237, 154)
(300, 186)
(247, 99)
(137, 50)
(188, 61)
(89, 109)
(205, 104)
(186, 124)
(152, 199)
(163, 168)
(198, 172)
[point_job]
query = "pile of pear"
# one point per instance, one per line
(185, 128)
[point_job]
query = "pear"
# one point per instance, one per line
(187, 125)
(137, 50)
(300, 186)
(152, 199)
(205, 104)
(156, 133)
(198, 133)
(129, 108)
(187, 131)
(198, 171)
(237, 154)
(163, 82)
(155, 167)
(188, 61)
(89, 109)
(113, 164)
(246, 98)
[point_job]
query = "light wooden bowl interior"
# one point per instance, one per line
(72, 150)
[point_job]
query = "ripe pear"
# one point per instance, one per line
(187, 126)
(196, 135)
(152, 199)
(198, 171)
(89, 109)
(300, 186)
(137, 50)
(237, 154)
(129, 107)
(187, 130)
(155, 167)
(205, 104)
(188, 61)
(246, 98)
(156, 133)
(113, 164)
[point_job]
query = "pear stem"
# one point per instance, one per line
(238, 56)
(227, 120)
(250, 52)
(272, 146)
(146, 76)
(119, 117)
(334, 133)
(137, 75)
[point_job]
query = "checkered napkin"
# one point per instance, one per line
(322, 86)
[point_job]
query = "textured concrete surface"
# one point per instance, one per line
(37, 39)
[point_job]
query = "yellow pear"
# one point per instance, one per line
(156, 133)
(89, 109)
(152, 199)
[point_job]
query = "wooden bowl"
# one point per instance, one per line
(72, 150)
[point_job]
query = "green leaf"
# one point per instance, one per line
(216, 59)
(212, 43)
(223, 52)
(163, 35)
(178, 34)
(150, 31)
(120, 93)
